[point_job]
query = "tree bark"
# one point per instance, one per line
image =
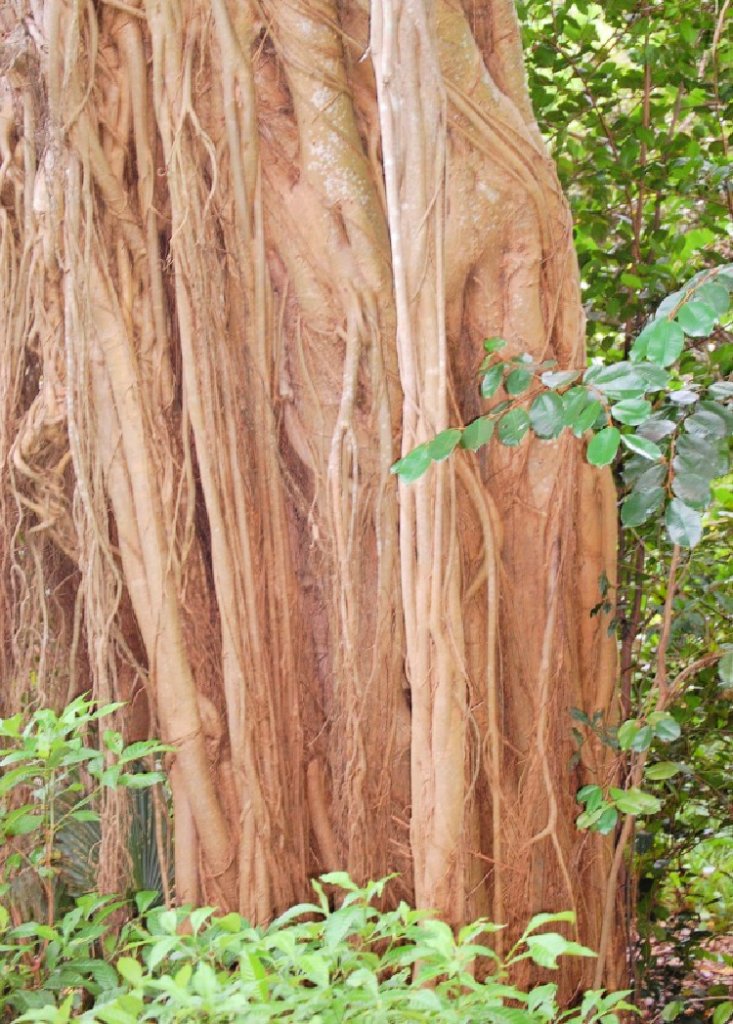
(248, 256)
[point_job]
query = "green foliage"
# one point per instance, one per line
(49, 793)
(633, 102)
(644, 406)
(315, 963)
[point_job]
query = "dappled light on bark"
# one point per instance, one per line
(248, 257)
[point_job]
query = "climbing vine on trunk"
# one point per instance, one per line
(249, 256)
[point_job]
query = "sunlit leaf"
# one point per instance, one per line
(684, 524)
(477, 433)
(512, 427)
(603, 446)
(546, 415)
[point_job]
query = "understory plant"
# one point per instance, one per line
(118, 960)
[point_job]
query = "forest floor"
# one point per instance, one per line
(698, 988)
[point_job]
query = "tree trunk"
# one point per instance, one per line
(249, 254)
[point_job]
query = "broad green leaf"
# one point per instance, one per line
(723, 1012)
(443, 444)
(643, 739)
(589, 819)
(607, 821)
(546, 415)
(512, 427)
(655, 376)
(587, 417)
(684, 396)
(634, 801)
(545, 917)
(661, 342)
(518, 381)
(632, 411)
(626, 733)
(506, 1015)
(666, 727)
(477, 433)
(715, 295)
(412, 466)
(697, 319)
(617, 381)
(710, 420)
(591, 796)
(663, 770)
(701, 455)
(544, 949)
(491, 380)
(558, 378)
(655, 430)
(684, 524)
(573, 403)
(725, 670)
(493, 344)
(640, 445)
(690, 487)
(672, 1011)
(130, 970)
(721, 389)
(603, 447)
(641, 504)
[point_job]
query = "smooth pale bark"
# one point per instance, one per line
(250, 256)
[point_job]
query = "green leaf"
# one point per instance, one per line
(493, 344)
(477, 433)
(656, 429)
(656, 377)
(700, 455)
(725, 670)
(663, 770)
(546, 415)
(603, 447)
(643, 739)
(607, 821)
(518, 381)
(640, 445)
(544, 949)
(130, 970)
(683, 396)
(661, 343)
(690, 487)
(443, 444)
(697, 319)
(672, 1011)
(626, 733)
(587, 417)
(634, 801)
(412, 466)
(666, 727)
(710, 420)
(641, 504)
(558, 378)
(574, 402)
(684, 524)
(721, 389)
(617, 381)
(632, 411)
(591, 796)
(715, 295)
(491, 380)
(723, 1013)
(512, 427)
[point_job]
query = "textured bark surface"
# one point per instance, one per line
(248, 255)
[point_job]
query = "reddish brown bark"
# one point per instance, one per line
(248, 253)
